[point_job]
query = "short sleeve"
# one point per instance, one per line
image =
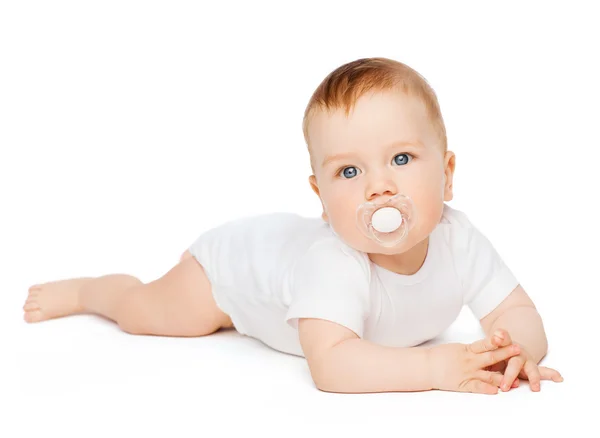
(331, 284)
(485, 278)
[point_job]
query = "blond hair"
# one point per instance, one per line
(347, 83)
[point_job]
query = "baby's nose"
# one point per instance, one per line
(381, 188)
(379, 197)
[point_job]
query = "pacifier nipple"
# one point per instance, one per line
(386, 219)
(387, 223)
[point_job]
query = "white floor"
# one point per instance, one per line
(82, 376)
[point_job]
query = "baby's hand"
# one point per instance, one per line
(465, 367)
(522, 366)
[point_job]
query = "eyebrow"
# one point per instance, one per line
(333, 158)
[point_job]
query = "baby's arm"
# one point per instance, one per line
(519, 317)
(339, 361)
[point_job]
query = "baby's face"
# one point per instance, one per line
(389, 146)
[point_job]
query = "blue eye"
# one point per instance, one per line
(349, 172)
(402, 159)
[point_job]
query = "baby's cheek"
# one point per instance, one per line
(347, 222)
(429, 213)
(423, 195)
(340, 216)
(344, 224)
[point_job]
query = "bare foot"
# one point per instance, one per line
(54, 299)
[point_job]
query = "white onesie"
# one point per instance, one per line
(267, 271)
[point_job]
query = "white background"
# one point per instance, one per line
(129, 127)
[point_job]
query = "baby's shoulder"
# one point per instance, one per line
(460, 233)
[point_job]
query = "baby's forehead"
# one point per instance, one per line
(334, 131)
(369, 111)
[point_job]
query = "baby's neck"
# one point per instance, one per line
(407, 263)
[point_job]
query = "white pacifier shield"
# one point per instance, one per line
(386, 223)
(386, 219)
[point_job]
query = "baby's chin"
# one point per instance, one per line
(366, 245)
(356, 240)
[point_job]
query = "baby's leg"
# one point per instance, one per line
(178, 304)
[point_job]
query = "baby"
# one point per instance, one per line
(388, 266)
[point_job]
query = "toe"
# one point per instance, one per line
(31, 306)
(32, 296)
(34, 287)
(33, 316)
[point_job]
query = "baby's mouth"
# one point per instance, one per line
(388, 222)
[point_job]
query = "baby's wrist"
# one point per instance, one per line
(431, 368)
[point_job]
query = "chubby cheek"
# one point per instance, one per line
(342, 218)
(342, 215)
(429, 206)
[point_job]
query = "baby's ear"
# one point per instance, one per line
(449, 165)
(313, 184)
(312, 180)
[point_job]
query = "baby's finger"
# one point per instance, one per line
(482, 387)
(550, 374)
(491, 377)
(489, 343)
(491, 357)
(512, 371)
(498, 381)
(502, 338)
(533, 375)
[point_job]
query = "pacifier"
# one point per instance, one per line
(387, 223)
